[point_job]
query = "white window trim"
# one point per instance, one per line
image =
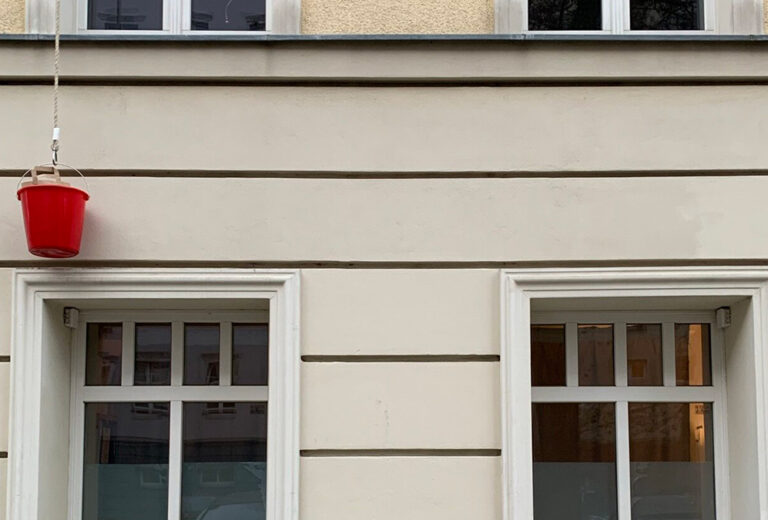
(720, 17)
(35, 288)
(621, 394)
(283, 17)
(520, 287)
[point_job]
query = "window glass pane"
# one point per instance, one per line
(564, 15)
(666, 15)
(201, 354)
(250, 354)
(225, 453)
(595, 355)
(644, 355)
(103, 354)
(125, 15)
(153, 354)
(125, 473)
(548, 355)
(574, 461)
(232, 15)
(693, 365)
(672, 460)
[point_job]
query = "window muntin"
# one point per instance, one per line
(693, 410)
(620, 16)
(183, 449)
(174, 16)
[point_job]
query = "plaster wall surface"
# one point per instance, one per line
(397, 16)
(378, 129)
(12, 16)
(416, 220)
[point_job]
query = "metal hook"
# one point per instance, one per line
(55, 152)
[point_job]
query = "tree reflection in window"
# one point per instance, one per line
(666, 15)
(564, 15)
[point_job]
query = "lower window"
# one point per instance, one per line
(174, 414)
(624, 416)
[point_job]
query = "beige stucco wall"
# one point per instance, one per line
(765, 16)
(397, 16)
(12, 16)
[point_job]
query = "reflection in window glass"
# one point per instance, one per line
(232, 15)
(201, 354)
(693, 366)
(564, 15)
(224, 466)
(574, 461)
(672, 460)
(666, 15)
(153, 354)
(548, 355)
(103, 354)
(250, 354)
(644, 355)
(125, 473)
(125, 15)
(596, 355)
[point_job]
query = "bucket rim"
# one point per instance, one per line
(51, 185)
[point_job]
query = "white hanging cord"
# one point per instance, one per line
(56, 131)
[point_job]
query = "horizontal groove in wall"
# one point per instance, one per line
(3, 454)
(367, 176)
(5, 359)
(352, 264)
(403, 453)
(362, 82)
(403, 358)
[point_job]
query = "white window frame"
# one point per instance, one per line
(176, 393)
(615, 20)
(37, 291)
(282, 17)
(621, 394)
(720, 17)
(521, 288)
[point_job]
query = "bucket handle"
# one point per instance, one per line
(55, 169)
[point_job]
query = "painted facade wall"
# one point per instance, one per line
(411, 179)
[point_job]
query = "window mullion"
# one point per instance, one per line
(668, 352)
(620, 352)
(225, 353)
(177, 353)
(128, 353)
(572, 354)
(620, 16)
(175, 454)
(623, 476)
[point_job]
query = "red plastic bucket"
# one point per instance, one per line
(53, 215)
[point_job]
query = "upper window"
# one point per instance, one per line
(618, 16)
(170, 414)
(174, 16)
(624, 410)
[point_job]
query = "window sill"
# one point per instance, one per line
(688, 37)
